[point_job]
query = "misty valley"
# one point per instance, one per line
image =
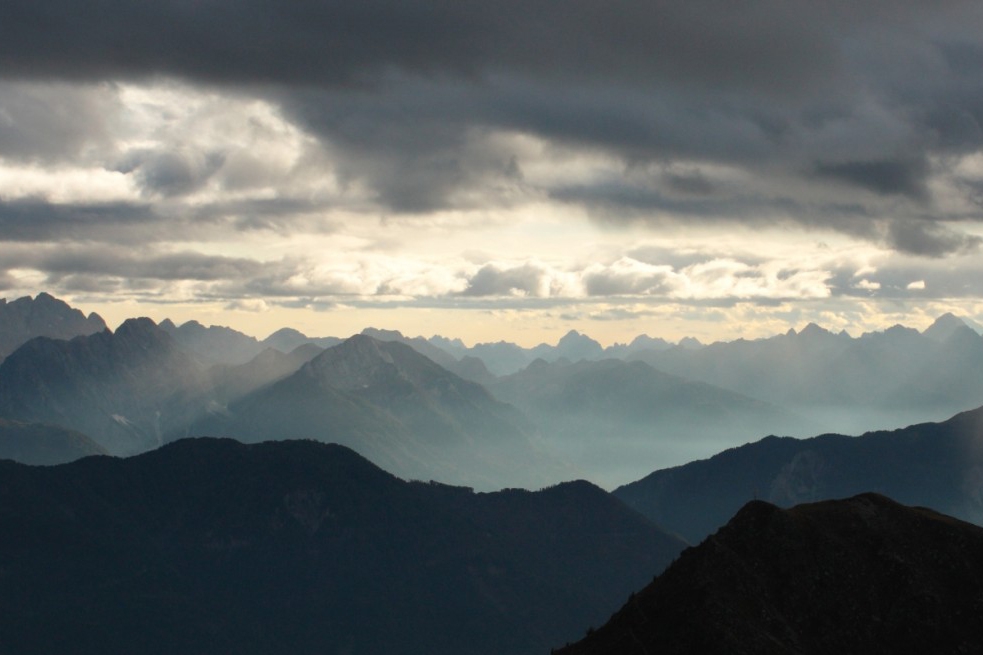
(186, 488)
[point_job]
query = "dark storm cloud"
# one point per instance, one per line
(929, 239)
(853, 101)
(767, 46)
(37, 220)
(96, 261)
(130, 223)
(898, 177)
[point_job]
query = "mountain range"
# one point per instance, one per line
(573, 409)
(297, 545)
(210, 545)
(862, 575)
(879, 380)
(936, 465)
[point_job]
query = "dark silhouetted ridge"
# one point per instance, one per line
(863, 575)
(937, 465)
(215, 546)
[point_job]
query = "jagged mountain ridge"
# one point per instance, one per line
(125, 389)
(863, 575)
(879, 380)
(210, 545)
(937, 465)
(42, 316)
(223, 345)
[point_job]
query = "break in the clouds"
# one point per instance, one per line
(461, 154)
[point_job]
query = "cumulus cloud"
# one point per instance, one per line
(491, 280)
(55, 122)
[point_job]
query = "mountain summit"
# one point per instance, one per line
(398, 408)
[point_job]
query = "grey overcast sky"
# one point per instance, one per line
(498, 169)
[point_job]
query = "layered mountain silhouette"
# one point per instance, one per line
(125, 389)
(399, 409)
(881, 379)
(467, 367)
(504, 358)
(210, 545)
(41, 444)
(612, 419)
(42, 316)
(288, 339)
(615, 418)
(863, 575)
(937, 465)
(269, 366)
(223, 345)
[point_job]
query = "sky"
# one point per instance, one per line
(504, 170)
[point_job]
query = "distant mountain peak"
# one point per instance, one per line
(142, 328)
(287, 332)
(577, 346)
(690, 343)
(814, 330)
(42, 316)
(382, 334)
(944, 326)
(362, 361)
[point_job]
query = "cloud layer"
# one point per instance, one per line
(439, 153)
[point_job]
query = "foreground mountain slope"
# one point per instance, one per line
(938, 465)
(208, 546)
(864, 575)
(399, 409)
